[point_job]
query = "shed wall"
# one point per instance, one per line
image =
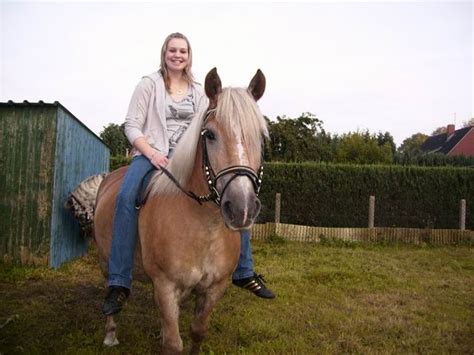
(79, 154)
(27, 143)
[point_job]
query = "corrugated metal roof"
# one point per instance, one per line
(55, 104)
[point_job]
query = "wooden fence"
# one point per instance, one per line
(371, 217)
(376, 234)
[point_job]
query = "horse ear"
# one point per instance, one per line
(213, 87)
(257, 85)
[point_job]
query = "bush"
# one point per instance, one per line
(433, 159)
(338, 195)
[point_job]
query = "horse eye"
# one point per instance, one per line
(210, 135)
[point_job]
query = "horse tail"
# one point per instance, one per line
(82, 201)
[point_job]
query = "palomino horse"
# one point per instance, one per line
(185, 245)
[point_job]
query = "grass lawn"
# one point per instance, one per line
(348, 298)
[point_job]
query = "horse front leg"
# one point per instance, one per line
(110, 329)
(205, 302)
(167, 298)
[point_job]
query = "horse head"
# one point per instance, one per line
(232, 136)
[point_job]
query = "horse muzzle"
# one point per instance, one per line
(240, 205)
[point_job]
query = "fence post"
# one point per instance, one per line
(371, 211)
(277, 207)
(462, 215)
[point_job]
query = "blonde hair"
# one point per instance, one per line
(187, 73)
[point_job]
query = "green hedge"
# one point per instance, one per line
(338, 195)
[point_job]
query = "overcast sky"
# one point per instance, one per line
(403, 67)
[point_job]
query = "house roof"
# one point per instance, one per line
(438, 144)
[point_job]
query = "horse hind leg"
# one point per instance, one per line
(205, 302)
(110, 329)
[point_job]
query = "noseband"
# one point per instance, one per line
(212, 178)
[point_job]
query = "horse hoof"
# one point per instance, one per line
(108, 341)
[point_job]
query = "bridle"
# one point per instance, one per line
(236, 170)
(212, 177)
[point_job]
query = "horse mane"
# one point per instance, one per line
(235, 108)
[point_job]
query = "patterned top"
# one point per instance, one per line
(178, 117)
(146, 116)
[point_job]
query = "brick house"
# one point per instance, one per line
(453, 142)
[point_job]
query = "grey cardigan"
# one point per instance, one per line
(146, 112)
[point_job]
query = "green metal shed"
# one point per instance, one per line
(45, 153)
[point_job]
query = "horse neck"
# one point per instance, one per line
(196, 181)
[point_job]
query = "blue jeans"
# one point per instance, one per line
(125, 230)
(245, 266)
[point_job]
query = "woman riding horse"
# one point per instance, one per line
(162, 107)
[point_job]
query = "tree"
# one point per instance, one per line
(113, 135)
(439, 130)
(468, 123)
(362, 148)
(387, 138)
(412, 144)
(295, 139)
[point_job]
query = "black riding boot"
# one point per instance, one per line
(115, 300)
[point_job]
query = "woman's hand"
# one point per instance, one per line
(158, 160)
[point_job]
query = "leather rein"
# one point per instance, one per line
(212, 177)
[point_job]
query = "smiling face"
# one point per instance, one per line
(177, 55)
